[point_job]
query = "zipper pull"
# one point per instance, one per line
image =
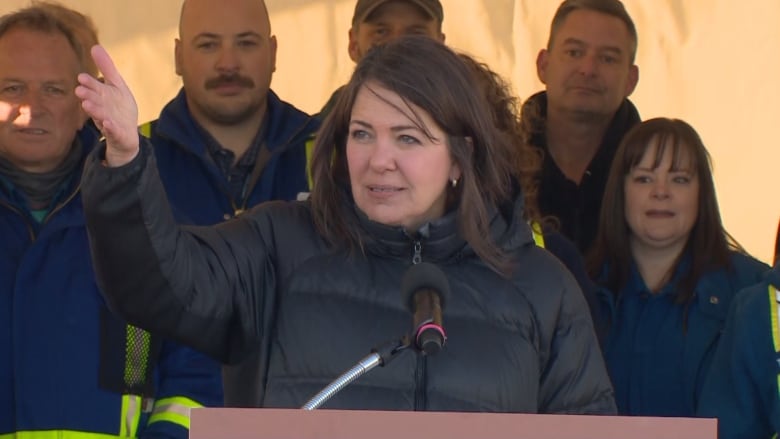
(417, 257)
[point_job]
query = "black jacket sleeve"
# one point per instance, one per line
(576, 366)
(189, 284)
(567, 252)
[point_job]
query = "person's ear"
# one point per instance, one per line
(272, 42)
(352, 47)
(542, 60)
(633, 79)
(177, 56)
(455, 172)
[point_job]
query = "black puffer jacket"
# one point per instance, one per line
(268, 283)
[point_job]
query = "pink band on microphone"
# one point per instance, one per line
(435, 327)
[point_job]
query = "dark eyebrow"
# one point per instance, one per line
(360, 122)
(394, 129)
(579, 42)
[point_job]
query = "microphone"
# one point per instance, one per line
(424, 291)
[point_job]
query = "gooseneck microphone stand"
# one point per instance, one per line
(380, 356)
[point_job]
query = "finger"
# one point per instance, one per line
(106, 65)
(85, 93)
(96, 111)
(91, 109)
(88, 81)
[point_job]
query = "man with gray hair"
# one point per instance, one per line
(69, 367)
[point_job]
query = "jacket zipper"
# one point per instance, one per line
(420, 396)
(417, 256)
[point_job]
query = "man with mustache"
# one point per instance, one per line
(577, 123)
(226, 142)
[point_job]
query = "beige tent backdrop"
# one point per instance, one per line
(710, 62)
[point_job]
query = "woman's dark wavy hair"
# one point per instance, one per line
(708, 243)
(427, 74)
(505, 109)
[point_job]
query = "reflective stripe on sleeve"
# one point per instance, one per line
(175, 409)
(131, 415)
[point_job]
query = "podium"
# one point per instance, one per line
(226, 423)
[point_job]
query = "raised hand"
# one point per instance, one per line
(112, 107)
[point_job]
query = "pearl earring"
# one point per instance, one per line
(454, 182)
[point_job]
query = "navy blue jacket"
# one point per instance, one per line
(194, 183)
(742, 387)
(658, 352)
(63, 354)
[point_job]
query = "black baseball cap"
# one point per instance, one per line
(364, 8)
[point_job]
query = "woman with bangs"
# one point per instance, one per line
(669, 268)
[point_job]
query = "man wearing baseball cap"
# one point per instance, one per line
(376, 22)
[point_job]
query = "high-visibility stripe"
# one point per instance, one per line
(774, 304)
(57, 434)
(131, 415)
(536, 229)
(309, 156)
(146, 130)
(175, 409)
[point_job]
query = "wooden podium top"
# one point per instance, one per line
(224, 423)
